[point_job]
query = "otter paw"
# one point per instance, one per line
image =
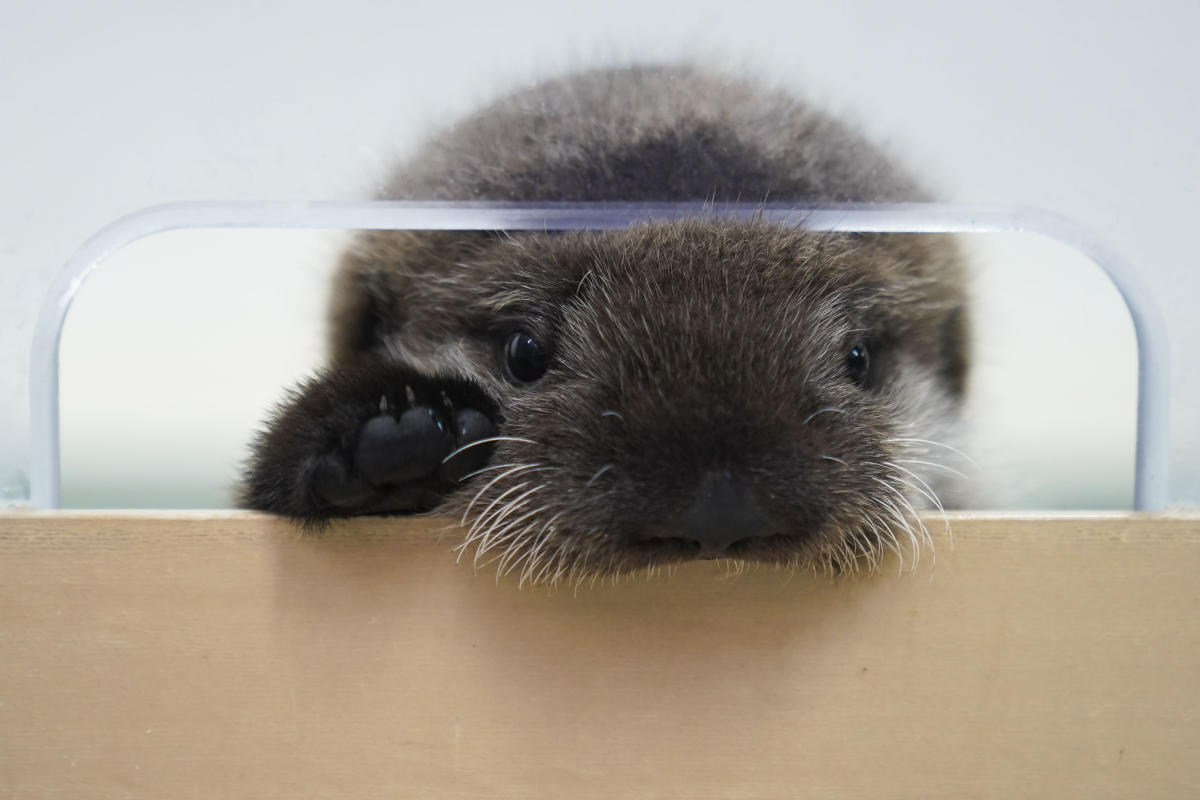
(405, 462)
(370, 440)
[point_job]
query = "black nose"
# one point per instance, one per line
(723, 513)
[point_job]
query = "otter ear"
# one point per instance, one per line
(382, 278)
(362, 309)
(955, 355)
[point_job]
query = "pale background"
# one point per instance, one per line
(177, 345)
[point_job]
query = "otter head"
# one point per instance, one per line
(690, 390)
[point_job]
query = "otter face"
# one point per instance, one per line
(698, 390)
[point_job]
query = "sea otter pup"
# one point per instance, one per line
(594, 403)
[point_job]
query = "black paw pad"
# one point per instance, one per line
(397, 451)
(471, 429)
(336, 486)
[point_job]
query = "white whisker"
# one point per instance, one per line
(501, 476)
(478, 524)
(599, 472)
(930, 493)
(489, 439)
(489, 468)
(933, 464)
(821, 411)
(954, 450)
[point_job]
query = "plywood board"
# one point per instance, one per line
(201, 656)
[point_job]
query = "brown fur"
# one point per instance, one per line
(676, 349)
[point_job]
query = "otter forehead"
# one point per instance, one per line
(757, 296)
(681, 272)
(739, 259)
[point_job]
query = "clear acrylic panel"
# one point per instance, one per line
(201, 329)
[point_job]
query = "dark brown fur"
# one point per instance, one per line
(676, 349)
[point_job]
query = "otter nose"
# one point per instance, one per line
(723, 513)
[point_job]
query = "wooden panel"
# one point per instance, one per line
(203, 656)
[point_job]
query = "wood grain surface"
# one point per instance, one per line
(226, 655)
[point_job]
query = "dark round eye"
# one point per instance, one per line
(858, 362)
(524, 359)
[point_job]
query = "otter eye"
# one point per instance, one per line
(858, 362)
(524, 359)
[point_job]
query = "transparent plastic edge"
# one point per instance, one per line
(1151, 456)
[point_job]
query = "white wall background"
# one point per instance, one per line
(1090, 109)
